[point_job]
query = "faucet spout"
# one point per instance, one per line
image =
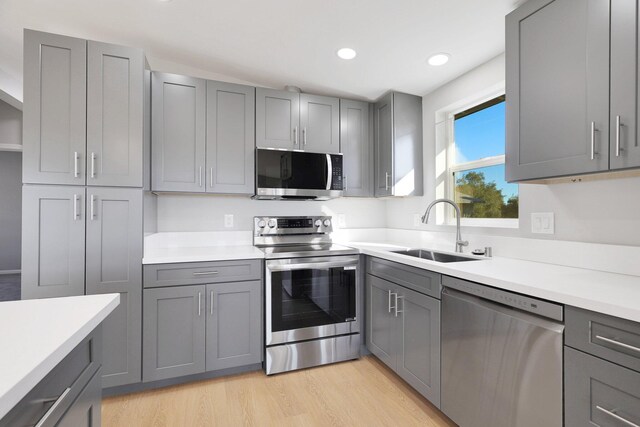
(425, 218)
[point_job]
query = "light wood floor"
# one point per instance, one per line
(358, 393)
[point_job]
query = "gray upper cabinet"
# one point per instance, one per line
(398, 145)
(173, 332)
(178, 117)
(115, 115)
(234, 324)
(114, 264)
(558, 88)
(53, 241)
(277, 119)
(230, 138)
(356, 146)
(625, 74)
(54, 115)
(319, 123)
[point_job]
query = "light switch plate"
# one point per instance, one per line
(228, 221)
(342, 220)
(542, 223)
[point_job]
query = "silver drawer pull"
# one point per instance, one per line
(53, 407)
(396, 307)
(618, 343)
(205, 273)
(616, 416)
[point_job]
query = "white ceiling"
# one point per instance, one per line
(279, 42)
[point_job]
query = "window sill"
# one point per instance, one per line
(488, 222)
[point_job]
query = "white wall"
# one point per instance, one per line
(605, 211)
(10, 209)
(10, 124)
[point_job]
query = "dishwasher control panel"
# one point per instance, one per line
(521, 302)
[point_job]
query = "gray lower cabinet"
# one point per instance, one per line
(54, 114)
(230, 138)
(86, 409)
(53, 241)
(403, 331)
(598, 392)
(356, 146)
(173, 332)
(234, 319)
(557, 88)
(178, 125)
(114, 264)
(277, 119)
(319, 123)
(398, 145)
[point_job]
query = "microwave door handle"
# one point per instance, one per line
(329, 172)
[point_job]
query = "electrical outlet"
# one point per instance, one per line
(417, 219)
(542, 223)
(342, 220)
(228, 221)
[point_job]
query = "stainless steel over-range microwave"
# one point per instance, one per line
(295, 175)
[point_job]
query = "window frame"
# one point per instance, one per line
(453, 167)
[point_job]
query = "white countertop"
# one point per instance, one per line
(166, 255)
(38, 334)
(608, 293)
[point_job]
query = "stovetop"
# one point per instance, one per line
(300, 251)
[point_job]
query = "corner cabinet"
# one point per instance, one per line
(356, 144)
(398, 145)
(563, 116)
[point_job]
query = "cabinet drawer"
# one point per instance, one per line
(414, 278)
(611, 338)
(599, 393)
(195, 273)
(49, 400)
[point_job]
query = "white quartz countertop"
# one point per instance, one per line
(166, 255)
(38, 334)
(608, 293)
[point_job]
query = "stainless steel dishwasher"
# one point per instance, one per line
(501, 357)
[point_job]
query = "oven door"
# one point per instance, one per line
(310, 298)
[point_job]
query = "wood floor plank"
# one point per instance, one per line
(357, 393)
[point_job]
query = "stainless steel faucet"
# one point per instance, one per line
(459, 242)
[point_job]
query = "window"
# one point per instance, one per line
(476, 166)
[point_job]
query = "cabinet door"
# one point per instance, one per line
(277, 119)
(178, 118)
(418, 345)
(53, 228)
(173, 332)
(230, 138)
(114, 264)
(599, 393)
(319, 123)
(625, 114)
(86, 409)
(234, 324)
(54, 115)
(380, 320)
(383, 116)
(356, 148)
(557, 89)
(115, 115)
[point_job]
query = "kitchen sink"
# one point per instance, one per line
(435, 255)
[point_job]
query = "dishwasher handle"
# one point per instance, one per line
(481, 303)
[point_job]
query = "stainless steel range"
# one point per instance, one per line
(312, 293)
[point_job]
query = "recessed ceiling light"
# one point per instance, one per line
(438, 59)
(346, 53)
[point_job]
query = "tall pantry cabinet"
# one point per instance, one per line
(86, 145)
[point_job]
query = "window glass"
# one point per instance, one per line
(483, 193)
(480, 134)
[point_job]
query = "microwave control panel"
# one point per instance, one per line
(336, 172)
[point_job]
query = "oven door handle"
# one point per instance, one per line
(313, 265)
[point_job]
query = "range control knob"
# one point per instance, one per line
(262, 223)
(272, 223)
(318, 223)
(326, 223)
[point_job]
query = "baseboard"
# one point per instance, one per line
(10, 272)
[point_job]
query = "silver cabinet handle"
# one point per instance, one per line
(211, 177)
(344, 183)
(594, 153)
(205, 273)
(295, 135)
(53, 407)
(618, 126)
(616, 416)
(76, 170)
(199, 303)
(211, 308)
(76, 213)
(618, 343)
(386, 181)
(304, 136)
(389, 302)
(396, 307)
(393, 307)
(93, 213)
(200, 177)
(93, 165)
